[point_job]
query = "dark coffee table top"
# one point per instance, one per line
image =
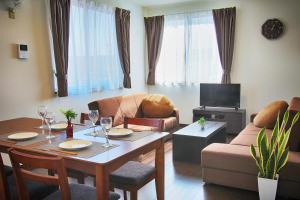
(194, 129)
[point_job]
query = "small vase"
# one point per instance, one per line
(202, 126)
(267, 188)
(69, 130)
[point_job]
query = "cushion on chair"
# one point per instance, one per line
(268, 115)
(8, 170)
(132, 173)
(139, 127)
(157, 106)
(37, 191)
(81, 192)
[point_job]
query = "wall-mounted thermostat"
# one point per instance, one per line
(22, 51)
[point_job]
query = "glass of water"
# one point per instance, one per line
(106, 124)
(94, 116)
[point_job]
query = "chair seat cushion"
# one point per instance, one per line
(132, 173)
(8, 170)
(37, 191)
(81, 192)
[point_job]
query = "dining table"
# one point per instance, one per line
(100, 165)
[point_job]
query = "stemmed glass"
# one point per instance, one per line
(42, 111)
(94, 116)
(106, 124)
(50, 119)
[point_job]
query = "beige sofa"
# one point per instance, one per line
(130, 106)
(232, 165)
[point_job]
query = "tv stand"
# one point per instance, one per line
(235, 118)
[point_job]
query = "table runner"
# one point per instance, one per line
(95, 149)
(76, 128)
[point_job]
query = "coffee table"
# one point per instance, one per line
(189, 141)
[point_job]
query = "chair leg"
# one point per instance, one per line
(125, 194)
(133, 195)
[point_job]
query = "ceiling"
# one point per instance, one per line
(161, 2)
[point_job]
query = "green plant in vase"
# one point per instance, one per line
(271, 156)
(70, 115)
(201, 121)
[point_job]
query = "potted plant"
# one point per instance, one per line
(69, 114)
(201, 122)
(271, 156)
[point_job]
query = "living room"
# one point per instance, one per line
(266, 69)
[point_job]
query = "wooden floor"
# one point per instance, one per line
(183, 181)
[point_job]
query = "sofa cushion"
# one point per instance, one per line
(228, 157)
(157, 106)
(119, 107)
(295, 104)
(268, 115)
(294, 140)
(251, 129)
(247, 139)
(237, 158)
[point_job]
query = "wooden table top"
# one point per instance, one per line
(123, 148)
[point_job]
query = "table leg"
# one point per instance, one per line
(102, 182)
(160, 171)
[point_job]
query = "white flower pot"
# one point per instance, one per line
(267, 188)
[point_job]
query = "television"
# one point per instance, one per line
(220, 95)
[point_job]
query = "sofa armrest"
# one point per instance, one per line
(252, 116)
(176, 114)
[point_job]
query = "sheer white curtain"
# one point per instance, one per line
(94, 63)
(189, 53)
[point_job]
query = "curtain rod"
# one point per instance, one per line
(190, 12)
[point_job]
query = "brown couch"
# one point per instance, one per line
(130, 106)
(232, 165)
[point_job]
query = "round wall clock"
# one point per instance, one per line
(272, 29)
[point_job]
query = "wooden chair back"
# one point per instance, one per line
(22, 158)
(157, 123)
(4, 194)
(83, 117)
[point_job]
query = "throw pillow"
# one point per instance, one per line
(295, 104)
(268, 115)
(157, 106)
(294, 140)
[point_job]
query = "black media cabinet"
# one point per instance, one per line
(235, 119)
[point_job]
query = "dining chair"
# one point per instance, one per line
(134, 175)
(66, 191)
(9, 188)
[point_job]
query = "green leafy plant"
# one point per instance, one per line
(273, 155)
(69, 114)
(201, 121)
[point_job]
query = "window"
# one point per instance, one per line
(189, 53)
(94, 63)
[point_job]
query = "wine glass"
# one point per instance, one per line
(94, 116)
(42, 111)
(50, 119)
(106, 124)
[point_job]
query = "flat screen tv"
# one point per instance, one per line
(220, 95)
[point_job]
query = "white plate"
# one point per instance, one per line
(119, 132)
(59, 126)
(23, 136)
(75, 144)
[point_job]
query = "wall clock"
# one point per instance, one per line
(272, 29)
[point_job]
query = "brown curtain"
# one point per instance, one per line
(225, 29)
(154, 30)
(123, 37)
(60, 17)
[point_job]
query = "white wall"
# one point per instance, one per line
(267, 70)
(26, 84)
